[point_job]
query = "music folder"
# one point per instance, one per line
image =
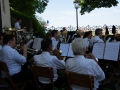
(37, 43)
(66, 49)
(106, 51)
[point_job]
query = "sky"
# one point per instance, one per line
(61, 13)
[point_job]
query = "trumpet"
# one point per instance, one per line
(29, 50)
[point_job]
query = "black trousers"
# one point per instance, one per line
(24, 75)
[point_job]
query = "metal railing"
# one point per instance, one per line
(86, 28)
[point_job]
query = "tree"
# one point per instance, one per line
(89, 5)
(28, 7)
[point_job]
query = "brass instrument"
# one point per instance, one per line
(29, 50)
(60, 51)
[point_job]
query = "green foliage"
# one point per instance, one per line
(36, 25)
(26, 9)
(29, 7)
(38, 28)
(89, 5)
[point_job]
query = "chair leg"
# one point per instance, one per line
(110, 78)
(24, 85)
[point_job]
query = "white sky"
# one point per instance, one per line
(61, 13)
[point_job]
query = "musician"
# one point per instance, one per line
(87, 36)
(81, 65)
(55, 36)
(97, 37)
(117, 37)
(15, 61)
(47, 60)
(48, 36)
(17, 24)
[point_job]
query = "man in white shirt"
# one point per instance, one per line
(17, 24)
(97, 37)
(87, 36)
(15, 61)
(47, 60)
(55, 36)
(81, 65)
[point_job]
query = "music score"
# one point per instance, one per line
(108, 51)
(66, 49)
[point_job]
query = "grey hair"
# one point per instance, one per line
(97, 31)
(78, 46)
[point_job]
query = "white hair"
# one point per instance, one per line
(78, 46)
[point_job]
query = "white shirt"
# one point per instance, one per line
(87, 40)
(54, 43)
(94, 40)
(13, 59)
(53, 39)
(79, 64)
(46, 60)
(17, 25)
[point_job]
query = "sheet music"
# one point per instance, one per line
(70, 52)
(108, 40)
(38, 46)
(111, 51)
(29, 42)
(98, 50)
(35, 43)
(55, 43)
(68, 38)
(64, 47)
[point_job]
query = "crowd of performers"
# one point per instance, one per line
(83, 62)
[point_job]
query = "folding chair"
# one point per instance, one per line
(81, 80)
(46, 72)
(15, 86)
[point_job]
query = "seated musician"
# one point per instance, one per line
(55, 36)
(47, 60)
(15, 61)
(48, 36)
(97, 37)
(81, 65)
(117, 37)
(87, 36)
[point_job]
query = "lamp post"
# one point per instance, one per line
(76, 5)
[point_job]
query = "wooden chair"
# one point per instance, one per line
(81, 80)
(46, 72)
(15, 86)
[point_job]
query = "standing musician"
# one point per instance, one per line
(15, 61)
(17, 24)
